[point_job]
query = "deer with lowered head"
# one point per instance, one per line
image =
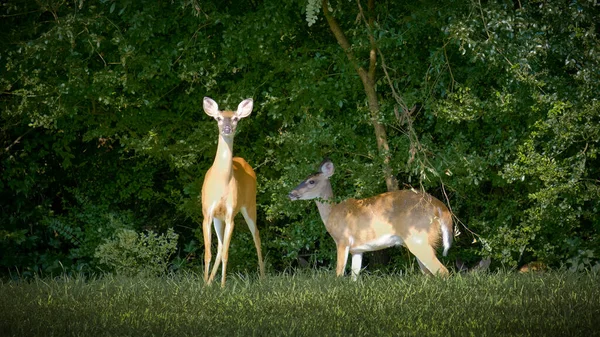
(409, 218)
(229, 188)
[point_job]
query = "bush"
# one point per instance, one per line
(132, 253)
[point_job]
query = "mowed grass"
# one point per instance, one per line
(305, 304)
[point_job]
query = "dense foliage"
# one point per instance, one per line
(101, 126)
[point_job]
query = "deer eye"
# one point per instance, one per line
(234, 119)
(219, 119)
(311, 182)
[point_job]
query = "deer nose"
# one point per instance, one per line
(226, 129)
(293, 195)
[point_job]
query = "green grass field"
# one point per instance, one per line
(305, 304)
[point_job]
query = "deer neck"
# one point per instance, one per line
(326, 203)
(223, 165)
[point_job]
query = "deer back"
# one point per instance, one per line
(400, 213)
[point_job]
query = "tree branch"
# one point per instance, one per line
(342, 40)
(373, 51)
(7, 149)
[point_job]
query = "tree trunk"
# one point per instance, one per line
(368, 80)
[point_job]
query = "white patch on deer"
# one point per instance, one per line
(356, 264)
(446, 236)
(384, 241)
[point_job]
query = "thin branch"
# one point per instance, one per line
(449, 68)
(483, 20)
(6, 149)
(18, 14)
(457, 220)
(190, 41)
(94, 49)
(369, 24)
(396, 96)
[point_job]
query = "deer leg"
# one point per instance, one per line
(356, 264)
(250, 217)
(342, 258)
(424, 269)
(425, 254)
(226, 242)
(206, 230)
(219, 230)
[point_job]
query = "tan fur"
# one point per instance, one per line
(230, 195)
(535, 266)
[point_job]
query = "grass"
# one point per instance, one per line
(305, 304)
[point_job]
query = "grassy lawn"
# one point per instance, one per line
(305, 304)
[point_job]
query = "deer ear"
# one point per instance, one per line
(210, 107)
(327, 168)
(245, 108)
